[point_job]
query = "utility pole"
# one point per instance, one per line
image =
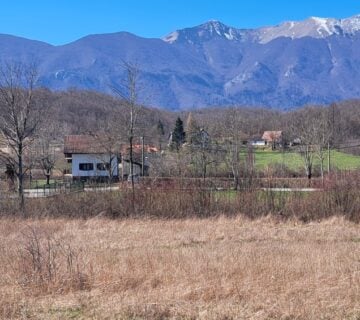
(329, 158)
(142, 156)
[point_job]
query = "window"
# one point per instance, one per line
(86, 166)
(103, 166)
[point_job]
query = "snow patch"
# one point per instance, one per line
(239, 79)
(229, 36)
(58, 74)
(172, 37)
(217, 29)
(322, 25)
(289, 71)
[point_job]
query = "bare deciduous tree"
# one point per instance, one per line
(128, 91)
(46, 158)
(234, 135)
(312, 126)
(204, 153)
(19, 116)
(303, 129)
(160, 131)
(108, 141)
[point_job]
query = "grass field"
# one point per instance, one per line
(293, 160)
(179, 269)
(39, 183)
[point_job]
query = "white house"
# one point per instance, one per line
(102, 158)
(91, 158)
(258, 142)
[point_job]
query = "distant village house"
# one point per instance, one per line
(273, 138)
(92, 158)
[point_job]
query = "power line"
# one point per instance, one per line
(348, 147)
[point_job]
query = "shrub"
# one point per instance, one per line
(45, 264)
(184, 198)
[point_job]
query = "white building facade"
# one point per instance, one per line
(94, 166)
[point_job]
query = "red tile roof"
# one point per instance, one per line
(137, 149)
(84, 144)
(91, 144)
(270, 136)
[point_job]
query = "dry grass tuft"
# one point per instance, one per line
(218, 268)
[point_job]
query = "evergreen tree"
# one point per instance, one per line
(178, 134)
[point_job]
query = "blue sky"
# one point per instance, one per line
(62, 21)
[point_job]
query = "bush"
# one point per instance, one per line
(198, 198)
(44, 264)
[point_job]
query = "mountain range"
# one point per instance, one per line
(315, 61)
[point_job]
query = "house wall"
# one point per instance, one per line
(95, 159)
(258, 143)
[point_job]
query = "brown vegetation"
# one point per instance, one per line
(216, 268)
(184, 252)
(183, 247)
(198, 198)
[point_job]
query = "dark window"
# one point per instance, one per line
(103, 166)
(86, 166)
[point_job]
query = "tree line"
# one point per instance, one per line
(32, 116)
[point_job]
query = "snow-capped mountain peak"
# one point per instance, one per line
(211, 64)
(314, 27)
(220, 29)
(205, 31)
(351, 25)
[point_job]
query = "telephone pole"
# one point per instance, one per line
(329, 157)
(142, 156)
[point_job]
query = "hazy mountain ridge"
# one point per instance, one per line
(312, 61)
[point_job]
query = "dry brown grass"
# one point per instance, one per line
(219, 268)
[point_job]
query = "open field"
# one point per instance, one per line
(293, 160)
(219, 268)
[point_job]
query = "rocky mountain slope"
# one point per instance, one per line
(295, 63)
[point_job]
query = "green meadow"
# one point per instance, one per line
(293, 160)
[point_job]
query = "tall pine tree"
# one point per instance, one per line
(178, 135)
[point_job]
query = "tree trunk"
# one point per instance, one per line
(309, 176)
(322, 170)
(21, 180)
(204, 165)
(132, 173)
(236, 182)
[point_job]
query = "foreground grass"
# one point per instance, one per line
(182, 269)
